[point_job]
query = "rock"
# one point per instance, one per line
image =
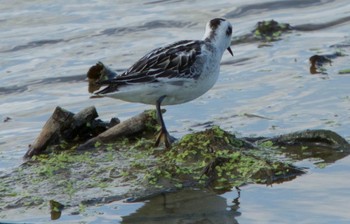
(125, 163)
(319, 137)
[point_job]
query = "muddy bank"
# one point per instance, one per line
(82, 168)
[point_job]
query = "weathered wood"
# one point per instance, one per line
(50, 132)
(86, 115)
(62, 125)
(128, 127)
(80, 121)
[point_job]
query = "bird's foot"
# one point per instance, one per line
(166, 138)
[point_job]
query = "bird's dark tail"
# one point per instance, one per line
(99, 75)
(108, 89)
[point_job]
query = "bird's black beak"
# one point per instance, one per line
(229, 50)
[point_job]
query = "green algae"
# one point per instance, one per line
(270, 30)
(212, 158)
(344, 71)
(132, 167)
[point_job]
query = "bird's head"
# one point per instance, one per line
(219, 32)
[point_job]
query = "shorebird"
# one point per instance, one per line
(173, 74)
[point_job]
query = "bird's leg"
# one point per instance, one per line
(163, 135)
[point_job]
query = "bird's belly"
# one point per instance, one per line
(184, 95)
(176, 91)
(189, 91)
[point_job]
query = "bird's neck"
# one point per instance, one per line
(220, 45)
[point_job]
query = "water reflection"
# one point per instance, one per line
(187, 206)
(315, 153)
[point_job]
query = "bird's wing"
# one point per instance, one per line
(172, 61)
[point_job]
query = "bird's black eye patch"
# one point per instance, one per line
(229, 31)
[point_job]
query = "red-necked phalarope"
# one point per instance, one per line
(174, 74)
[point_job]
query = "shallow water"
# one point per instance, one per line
(47, 47)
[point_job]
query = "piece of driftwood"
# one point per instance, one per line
(66, 126)
(82, 120)
(128, 127)
(50, 132)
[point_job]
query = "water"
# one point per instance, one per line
(47, 46)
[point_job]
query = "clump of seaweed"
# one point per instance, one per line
(270, 30)
(216, 159)
(265, 31)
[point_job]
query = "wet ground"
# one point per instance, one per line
(265, 89)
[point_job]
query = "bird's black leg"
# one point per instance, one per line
(163, 134)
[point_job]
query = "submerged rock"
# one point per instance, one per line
(129, 166)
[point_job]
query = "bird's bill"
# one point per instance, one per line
(229, 50)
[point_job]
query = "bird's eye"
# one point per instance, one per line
(229, 31)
